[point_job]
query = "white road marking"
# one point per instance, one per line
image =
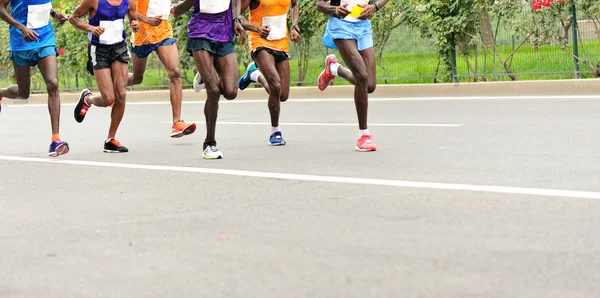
(243, 101)
(330, 179)
(325, 124)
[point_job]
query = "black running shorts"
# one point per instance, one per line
(103, 56)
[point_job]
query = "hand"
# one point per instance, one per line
(342, 11)
(97, 31)
(155, 21)
(135, 25)
(60, 17)
(29, 34)
(264, 31)
(370, 9)
(239, 31)
(295, 36)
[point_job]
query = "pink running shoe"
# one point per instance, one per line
(365, 144)
(326, 78)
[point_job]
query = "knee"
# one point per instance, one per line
(361, 77)
(121, 94)
(371, 88)
(174, 74)
(108, 100)
(230, 93)
(212, 89)
(283, 97)
(52, 86)
(274, 85)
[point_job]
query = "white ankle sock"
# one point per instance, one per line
(364, 132)
(333, 67)
(254, 76)
(274, 129)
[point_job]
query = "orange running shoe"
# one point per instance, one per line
(365, 144)
(326, 78)
(180, 129)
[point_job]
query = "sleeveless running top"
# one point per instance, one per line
(111, 18)
(212, 20)
(274, 14)
(34, 14)
(148, 34)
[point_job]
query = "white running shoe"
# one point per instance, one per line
(198, 83)
(212, 152)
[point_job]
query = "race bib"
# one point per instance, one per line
(214, 6)
(38, 16)
(278, 25)
(159, 8)
(113, 31)
(356, 10)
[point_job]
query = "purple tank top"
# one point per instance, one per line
(212, 26)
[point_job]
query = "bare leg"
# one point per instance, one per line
(368, 56)
(283, 68)
(21, 89)
(205, 62)
(169, 56)
(104, 80)
(119, 79)
(49, 69)
(139, 68)
(356, 64)
(266, 63)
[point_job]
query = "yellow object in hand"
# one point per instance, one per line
(355, 11)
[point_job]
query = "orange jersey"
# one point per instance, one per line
(274, 14)
(148, 34)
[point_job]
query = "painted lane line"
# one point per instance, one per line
(324, 124)
(441, 98)
(330, 179)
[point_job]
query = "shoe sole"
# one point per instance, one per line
(364, 150)
(187, 131)
(209, 157)
(113, 151)
(277, 144)
(60, 150)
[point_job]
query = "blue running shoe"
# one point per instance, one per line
(245, 80)
(58, 148)
(276, 139)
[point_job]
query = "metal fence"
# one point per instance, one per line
(408, 58)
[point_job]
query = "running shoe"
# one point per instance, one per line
(58, 147)
(82, 108)
(326, 77)
(245, 80)
(0, 104)
(180, 129)
(198, 83)
(114, 146)
(365, 144)
(276, 139)
(212, 151)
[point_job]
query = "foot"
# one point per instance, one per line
(198, 83)
(245, 80)
(114, 146)
(212, 151)
(326, 77)
(58, 147)
(82, 108)
(365, 144)
(276, 139)
(180, 129)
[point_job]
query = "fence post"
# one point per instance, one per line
(575, 41)
(453, 60)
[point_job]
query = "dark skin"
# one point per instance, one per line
(48, 68)
(169, 56)
(112, 82)
(275, 77)
(361, 67)
(220, 74)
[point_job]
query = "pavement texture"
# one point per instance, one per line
(141, 225)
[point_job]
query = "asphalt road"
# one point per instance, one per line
(465, 198)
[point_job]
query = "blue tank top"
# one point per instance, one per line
(34, 14)
(111, 18)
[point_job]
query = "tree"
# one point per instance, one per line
(311, 23)
(384, 22)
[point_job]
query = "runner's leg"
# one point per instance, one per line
(356, 64)
(266, 63)
(49, 70)
(169, 56)
(139, 68)
(119, 80)
(205, 62)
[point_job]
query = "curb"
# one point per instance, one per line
(491, 89)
